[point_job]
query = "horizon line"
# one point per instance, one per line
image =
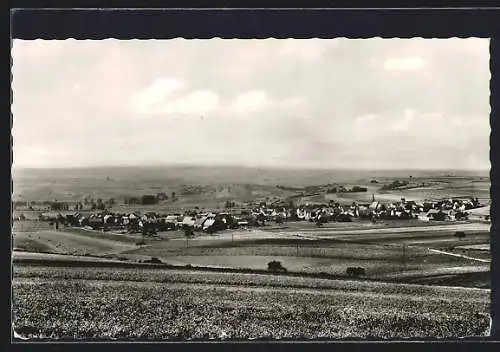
(277, 167)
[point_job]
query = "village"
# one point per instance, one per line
(258, 214)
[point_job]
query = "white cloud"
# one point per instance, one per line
(199, 103)
(291, 93)
(407, 63)
(249, 102)
(161, 89)
(404, 123)
(365, 118)
(292, 103)
(164, 97)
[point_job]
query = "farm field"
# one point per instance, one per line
(154, 304)
(403, 254)
(419, 280)
(209, 188)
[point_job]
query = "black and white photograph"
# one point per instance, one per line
(250, 189)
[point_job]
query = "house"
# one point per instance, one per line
(423, 218)
(171, 219)
(51, 216)
(435, 214)
(198, 224)
(208, 224)
(133, 216)
(188, 221)
(301, 214)
(108, 219)
(214, 224)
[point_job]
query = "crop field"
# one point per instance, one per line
(152, 304)
(404, 256)
(420, 279)
(212, 186)
(70, 243)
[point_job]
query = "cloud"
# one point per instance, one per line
(333, 101)
(404, 123)
(365, 118)
(249, 102)
(168, 96)
(407, 63)
(197, 103)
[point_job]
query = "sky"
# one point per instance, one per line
(313, 103)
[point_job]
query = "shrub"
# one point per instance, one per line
(355, 271)
(275, 266)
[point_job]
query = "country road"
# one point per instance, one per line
(459, 255)
(447, 227)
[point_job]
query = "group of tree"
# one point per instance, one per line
(230, 204)
(59, 206)
(97, 205)
(342, 189)
(395, 184)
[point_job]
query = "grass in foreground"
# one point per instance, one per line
(70, 303)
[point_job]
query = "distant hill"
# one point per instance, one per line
(106, 182)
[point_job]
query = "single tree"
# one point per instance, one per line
(188, 233)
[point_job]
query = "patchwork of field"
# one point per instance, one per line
(412, 254)
(165, 304)
(208, 187)
(420, 279)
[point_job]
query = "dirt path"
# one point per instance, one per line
(391, 230)
(459, 255)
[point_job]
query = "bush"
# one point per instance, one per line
(355, 271)
(395, 184)
(275, 266)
